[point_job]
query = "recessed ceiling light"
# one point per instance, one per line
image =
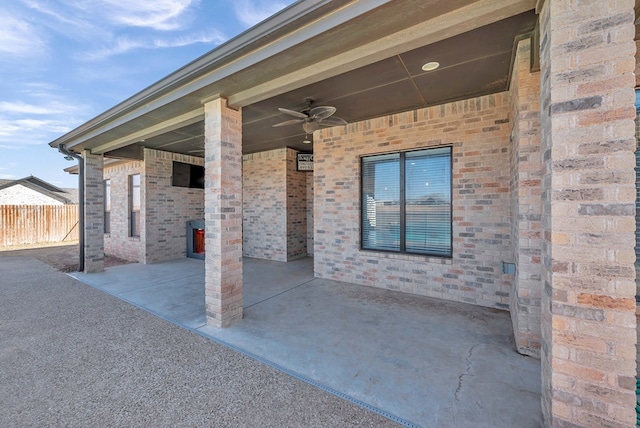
(430, 66)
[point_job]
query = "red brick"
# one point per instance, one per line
(608, 302)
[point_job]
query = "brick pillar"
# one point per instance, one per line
(526, 206)
(588, 305)
(296, 208)
(223, 213)
(93, 213)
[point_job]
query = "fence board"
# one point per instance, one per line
(31, 224)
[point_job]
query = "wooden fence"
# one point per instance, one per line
(31, 224)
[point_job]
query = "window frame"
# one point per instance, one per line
(402, 203)
(134, 221)
(107, 206)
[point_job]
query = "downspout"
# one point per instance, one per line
(80, 160)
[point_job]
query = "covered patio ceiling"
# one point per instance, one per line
(365, 60)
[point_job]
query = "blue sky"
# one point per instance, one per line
(63, 62)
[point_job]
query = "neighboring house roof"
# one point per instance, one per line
(72, 194)
(65, 196)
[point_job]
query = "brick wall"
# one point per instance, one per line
(118, 243)
(637, 69)
(296, 208)
(274, 206)
(22, 195)
(588, 307)
(478, 131)
(264, 226)
(310, 214)
(166, 209)
(526, 203)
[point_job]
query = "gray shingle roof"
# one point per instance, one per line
(66, 196)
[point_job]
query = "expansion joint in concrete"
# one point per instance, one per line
(279, 294)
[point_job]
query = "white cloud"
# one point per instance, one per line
(164, 15)
(107, 28)
(124, 44)
(7, 167)
(119, 46)
(37, 119)
(18, 37)
(21, 107)
(212, 37)
(99, 20)
(64, 18)
(43, 125)
(71, 21)
(38, 90)
(251, 12)
(30, 131)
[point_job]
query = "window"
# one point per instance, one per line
(134, 205)
(406, 202)
(107, 206)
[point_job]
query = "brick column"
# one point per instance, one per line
(296, 208)
(93, 213)
(223, 213)
(588, 305)
(526, 206)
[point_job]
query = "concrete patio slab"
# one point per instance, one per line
(264, 279)
(73, 356)
(172, 289)
(135, 276)
(418, 360)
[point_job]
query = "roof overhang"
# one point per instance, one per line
(40, 186)
(306, 44)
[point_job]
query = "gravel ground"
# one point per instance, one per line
(71, 355)
(62, 256)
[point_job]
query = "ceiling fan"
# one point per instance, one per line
(312, 118)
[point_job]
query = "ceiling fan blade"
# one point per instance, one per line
(293, 113)
(333, 121)
(288, 122)
(321, 112)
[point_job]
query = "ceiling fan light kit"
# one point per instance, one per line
(309, 127)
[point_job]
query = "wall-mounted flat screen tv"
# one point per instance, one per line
(187, 175)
